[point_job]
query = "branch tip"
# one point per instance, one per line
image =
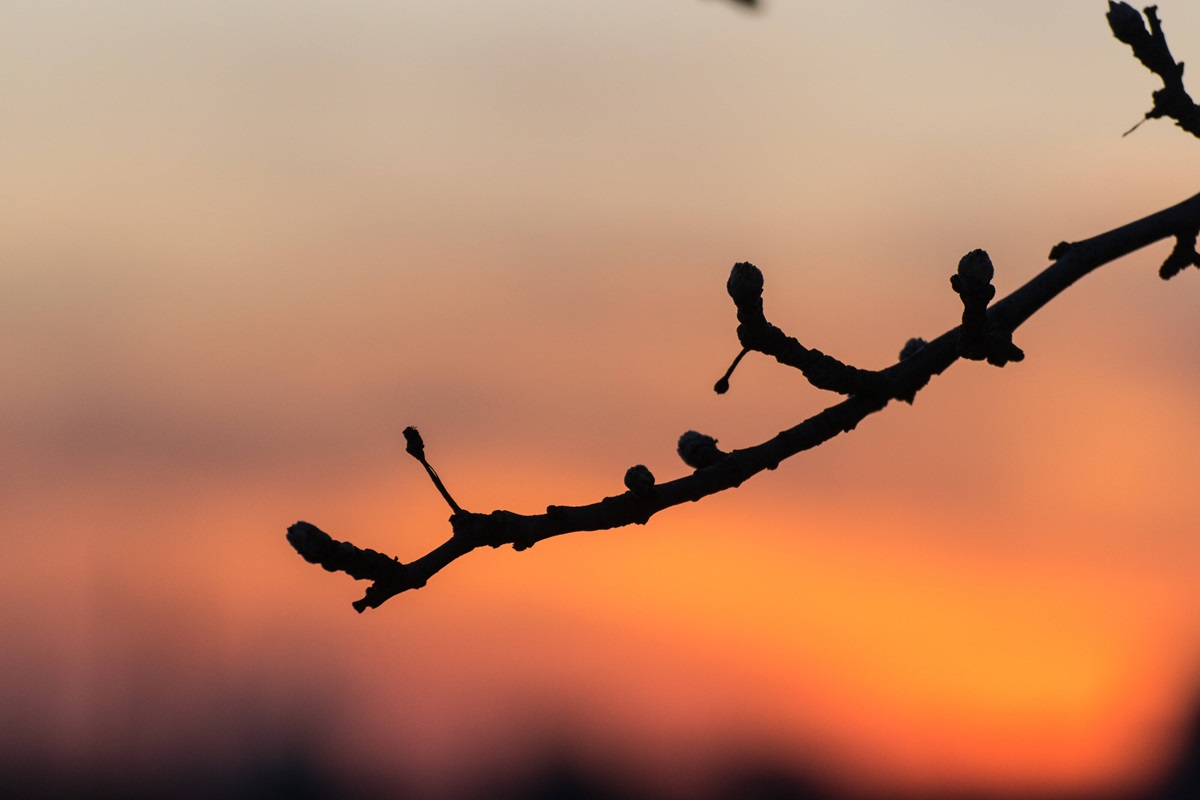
(318, 547)
(309, 541)
(413, 444)
(415, 447)
(722, 384)
(745, 284)
(1126, 23)
(976, 267)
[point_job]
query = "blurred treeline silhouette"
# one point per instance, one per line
(276, 768)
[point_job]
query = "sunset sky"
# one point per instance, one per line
(243, 244)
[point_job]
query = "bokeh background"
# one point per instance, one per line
(243, 244)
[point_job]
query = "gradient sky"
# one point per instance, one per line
(242, 245)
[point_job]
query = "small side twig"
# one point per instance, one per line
(1182, 255)
(722, 384)
(415, 447)
(745, 287)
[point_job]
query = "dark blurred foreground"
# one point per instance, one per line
(296, 773)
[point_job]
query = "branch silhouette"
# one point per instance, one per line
(985, 334)
(1150, 47)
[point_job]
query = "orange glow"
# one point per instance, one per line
(245, 245)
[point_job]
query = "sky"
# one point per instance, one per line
(243, 245)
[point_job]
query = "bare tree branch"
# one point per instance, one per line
(1151, 49)
(985, 334)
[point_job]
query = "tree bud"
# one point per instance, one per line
(699, 450)
(976, 266)
(414, 446)
(1126, 23)
(639, 480)
(745, 284)
(973, 281)
(911, 347)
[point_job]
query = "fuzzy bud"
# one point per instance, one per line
(976, 266)
(973, 281)
(1059, 250)
(745, 284)
(699, 450)
(1126, 23)
(310, 542)
(639, 480)
(911, 347)
(413, 444)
